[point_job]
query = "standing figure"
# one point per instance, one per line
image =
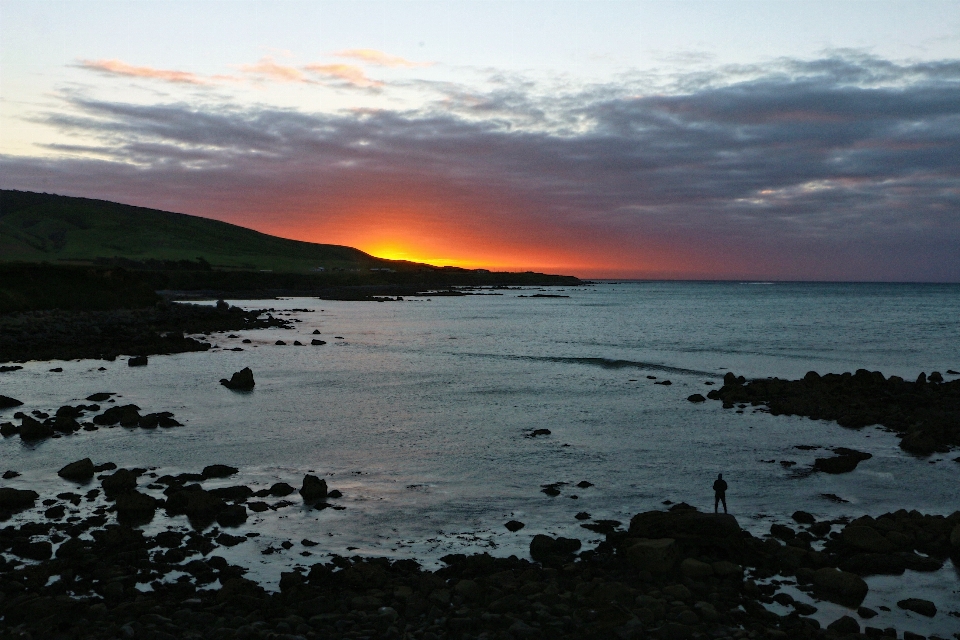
(719, 493)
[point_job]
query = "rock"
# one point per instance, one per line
(316, 332)
(240, 381)
(121, 481)
(539, 432)
(232, 516)
(935, 377)
(583, 484)
(693, 568)
(335, 494)
(195, 503)
(923, 607)
(134, 505)
(544, 548)
(79, 471)
(955, 539)
(696, 398)
(840, 586)
(237, 493)
(782, 532)
(280, 343)
(846, 624)
(726, 569)
(514, 526)
(836, 464)
(7, 402)
(137, 361)
(8, 429)
(280, 489)
(803, 517)
(13, 499)
(313, 488)
(866, 538)
(654, 555)
(866, 613)
(469, 589)
(10, 475)
(218, 471)
(31, 429)
(315, 342)
(583, 515)
(99, 397)
(227, 540)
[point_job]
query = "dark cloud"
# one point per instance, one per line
(841, 168)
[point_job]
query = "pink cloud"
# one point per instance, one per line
(372, 56)
(117, 67)
(346, 72)
(267, 69)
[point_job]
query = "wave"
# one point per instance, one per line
(605, 363)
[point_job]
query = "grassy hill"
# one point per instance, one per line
(36, 227)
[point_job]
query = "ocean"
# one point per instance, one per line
(420, 413)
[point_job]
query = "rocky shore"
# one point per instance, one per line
(80, 565)
(107, 334)
(925, 413)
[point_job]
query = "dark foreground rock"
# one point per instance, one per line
(925, 413)
(67, 335)
(671, 574)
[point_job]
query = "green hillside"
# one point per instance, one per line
(37, 227)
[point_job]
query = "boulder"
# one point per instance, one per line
(232, 516)
(121, 481)
(7, 402)
(866, 539)
(727, 569)
(240, 381)
(693, 568)
(836, 464)
(955, 539)
(313, 488)
(8, 429)
(514, 525)
(237, 493)
(318, 343)
(195, 503)
(218, 471)
(838, 586)
(12, 499)
(844, 625)
(79, 471)
(803, 517)
(31, 429)
(696, 398)
(544, 548)
(281, 489)
(134, 505)
(137, 361)
(102, 396)
(687, 525)
(654, 555)
(923, 607)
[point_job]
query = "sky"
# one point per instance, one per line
(721, 139)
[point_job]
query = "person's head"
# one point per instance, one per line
(719, 476)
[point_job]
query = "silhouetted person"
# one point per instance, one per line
(719, 493)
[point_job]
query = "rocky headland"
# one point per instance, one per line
(925, 413)
(106, 334)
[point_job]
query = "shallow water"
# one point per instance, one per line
(419, 413)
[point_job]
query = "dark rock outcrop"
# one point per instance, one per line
(313, 488)
(79, 471)
(240, 381)
(6, 402)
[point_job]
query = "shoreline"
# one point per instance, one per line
(83, 559)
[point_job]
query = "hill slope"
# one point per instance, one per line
(46, 227)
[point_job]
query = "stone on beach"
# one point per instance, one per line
(7, 402)
(137, 361)
(13, 499)
(218, 471)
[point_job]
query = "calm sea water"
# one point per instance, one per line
(417, 411)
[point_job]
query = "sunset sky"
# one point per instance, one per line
(668, 139)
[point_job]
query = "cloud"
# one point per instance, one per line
(120, 68)
(379, 58)
(267, 69)
(345, 72)
(841, 168)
